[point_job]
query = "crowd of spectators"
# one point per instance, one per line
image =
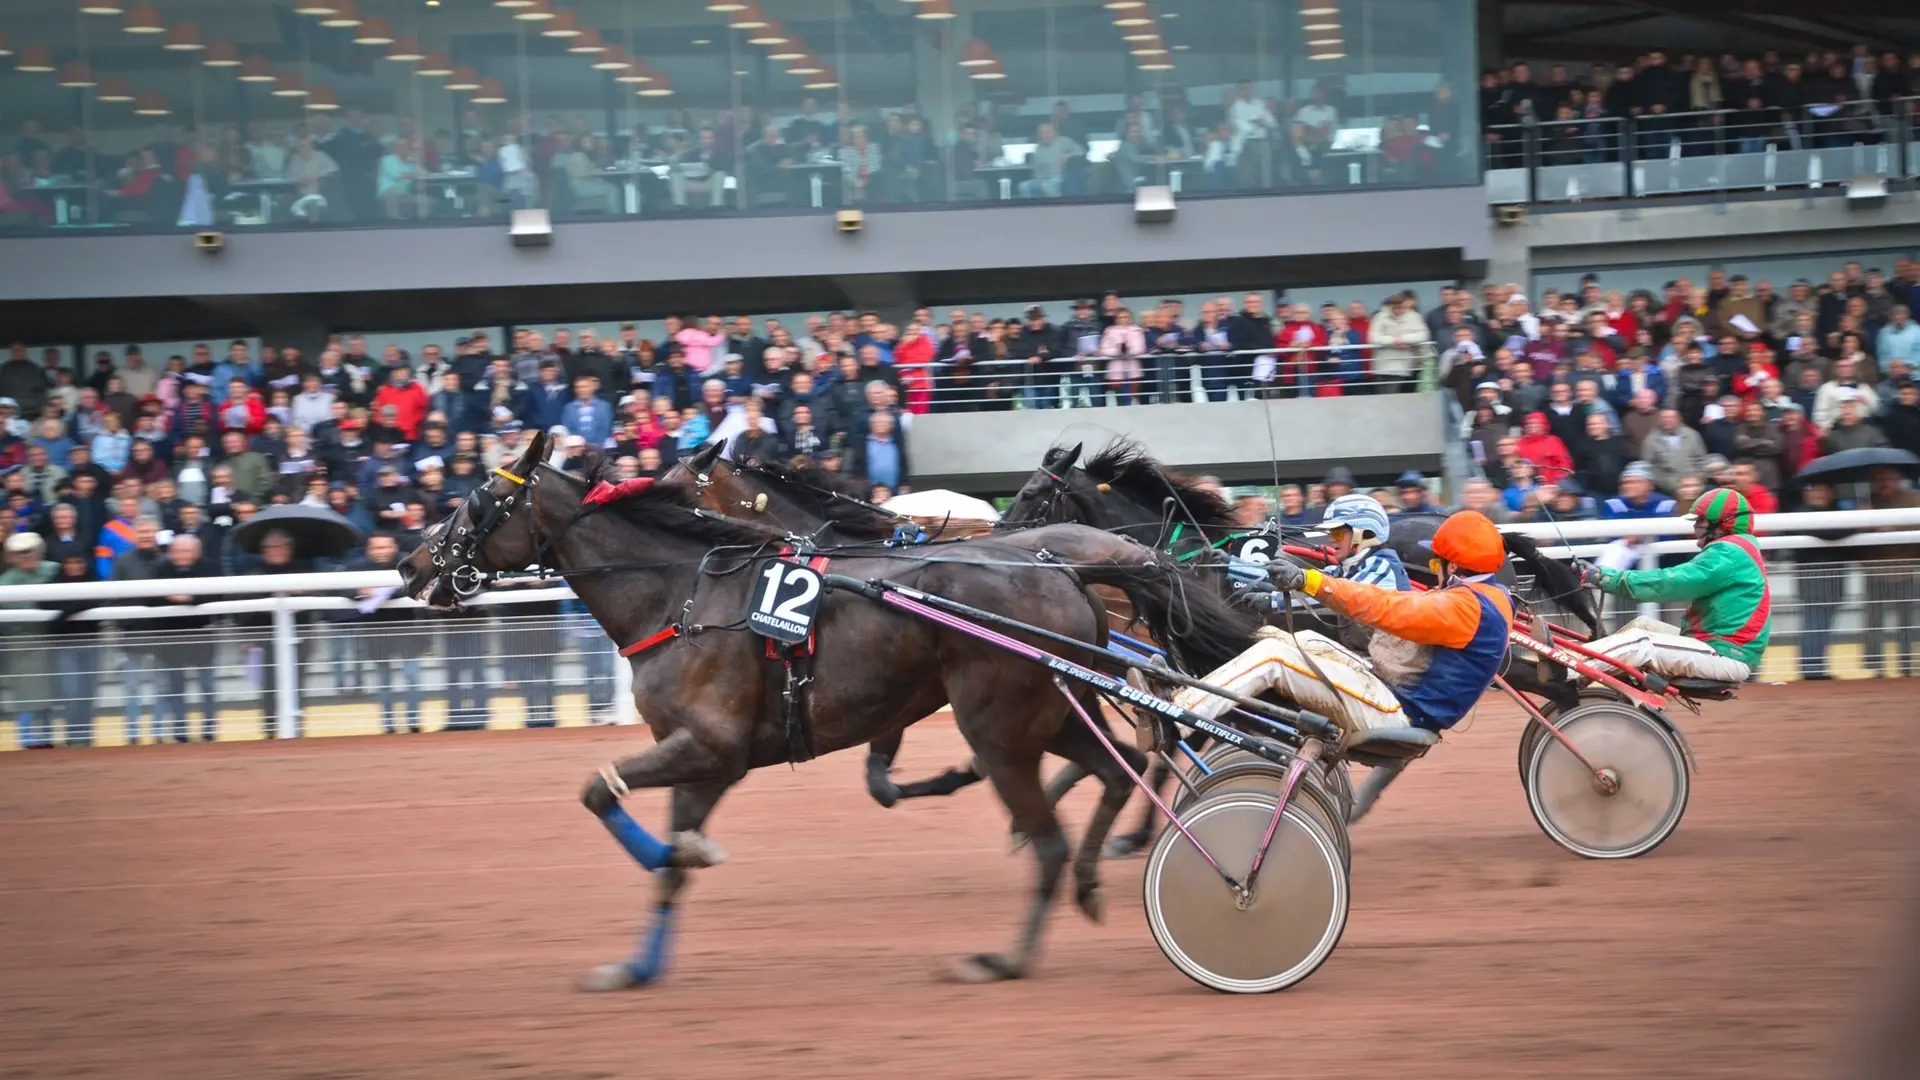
(1599, 403)
(1728, 104)
(367, 168)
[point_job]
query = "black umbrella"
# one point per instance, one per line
(1857, 465)
(317, 531)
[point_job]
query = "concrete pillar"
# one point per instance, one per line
(1490, 44)
(892, 296)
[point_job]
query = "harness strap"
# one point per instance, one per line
(650, 641)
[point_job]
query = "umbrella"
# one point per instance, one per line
(1857, 465)
(939, 504)
(317, 531)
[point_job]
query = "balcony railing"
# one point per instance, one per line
(1560, 161)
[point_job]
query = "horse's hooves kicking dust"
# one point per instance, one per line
(983, 968)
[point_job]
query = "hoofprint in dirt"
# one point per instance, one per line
(386, 908)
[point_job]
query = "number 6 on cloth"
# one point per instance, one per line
(786, 603)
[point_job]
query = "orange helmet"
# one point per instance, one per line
(1469, 541)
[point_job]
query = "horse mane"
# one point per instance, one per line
(855, 518)
(1125, 466)
(665, 508)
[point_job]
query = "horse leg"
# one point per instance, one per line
(1057, 789)
(677, 759)
(880, 755)
(691, 803)
(1079, 746)
(945, 784)
(1014, 771)
(1128, 844)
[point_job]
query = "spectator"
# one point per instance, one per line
(253, 475)
(27, 662)
(881, 455)
(1673, 450)
(1601, 455)
(1544, 450)
(179, 657)
(1399, 336)
(1757, 440)
(1849, 432)
(276, 557)
(1821, 583)
(406, 398)
(1901, 419)
(1899, 339)
(1845, 386)
(1122, 344)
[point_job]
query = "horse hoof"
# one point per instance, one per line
(1092, 900)
(1123, 847)
(885, 794)
(610, 977)
(692, 851)
(1015, 841)
(983, 968)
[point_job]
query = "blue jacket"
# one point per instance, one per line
(591, 419)
(1465, 624)
(1655, 505)
(549, 405)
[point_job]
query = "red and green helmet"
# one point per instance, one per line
(1723, 510)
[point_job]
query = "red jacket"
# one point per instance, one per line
(1749, 383)
(1548, 454)
(256, 416)
(409, 404)
(1624, 324)
(1296, 337)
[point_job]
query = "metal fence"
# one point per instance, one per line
(1579, 159)
(313, 663)
(1183, 376)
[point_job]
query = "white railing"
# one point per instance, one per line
(308, 662)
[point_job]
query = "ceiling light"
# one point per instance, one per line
(373, 32)
(1324, 42)
(538, 11)
(806, 65)
(749, 17)
(35, 59)
(114, 88)
(101, 7)
(1141, 33)
(183, 37)
(315, 7)
(657, 88)
(434, 65)
(1133, 20)
(976, 53)
(725, 5)
(289, 86)
(935, 9)
(993, 71)
(491, 93)
(1156, 65)
(76, 74)
(771, 34)
(323, 99)
(256, 69)
(1315, 7)
(144, 19)
(1156, 47)
(1327, 56)
(826, 79)
(343, 17)
(464, 78)
(589, 41)
(637, 72)
(1323, 24)
(512, 3)
(792, 50)
(221, 54)
(405, 50)
(612, 58)
(702, 41)
(1181, 48)
(151, 103)
(564, 24)
(1123, 5)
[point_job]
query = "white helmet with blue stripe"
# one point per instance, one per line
(1362, 514)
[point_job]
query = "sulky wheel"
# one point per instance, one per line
(1638, 752)
(1532, 733)
(1221, 754)
(1289, 926)
(1253, 774)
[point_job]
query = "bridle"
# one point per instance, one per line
(455, 549)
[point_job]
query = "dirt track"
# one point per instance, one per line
(419, 907)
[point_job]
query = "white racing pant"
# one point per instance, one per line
(1661, 648)
(1357, 700)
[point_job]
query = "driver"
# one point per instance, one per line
(1456, 635)
(1729, 608)
(1359, 529)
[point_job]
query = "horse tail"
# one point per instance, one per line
(1553, 580)
(1196, 625)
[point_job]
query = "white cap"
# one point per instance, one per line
(23, 542)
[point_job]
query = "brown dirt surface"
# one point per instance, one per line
(420, 907)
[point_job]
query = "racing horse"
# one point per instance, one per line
(671, 581)
(1123, 490)
(807, 500)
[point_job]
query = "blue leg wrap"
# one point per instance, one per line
(651, 961)
(647, 851)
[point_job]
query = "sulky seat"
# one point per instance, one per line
(1377, 745)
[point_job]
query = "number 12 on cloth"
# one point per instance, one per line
(786, 603)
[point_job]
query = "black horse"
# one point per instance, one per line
(671, 584)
